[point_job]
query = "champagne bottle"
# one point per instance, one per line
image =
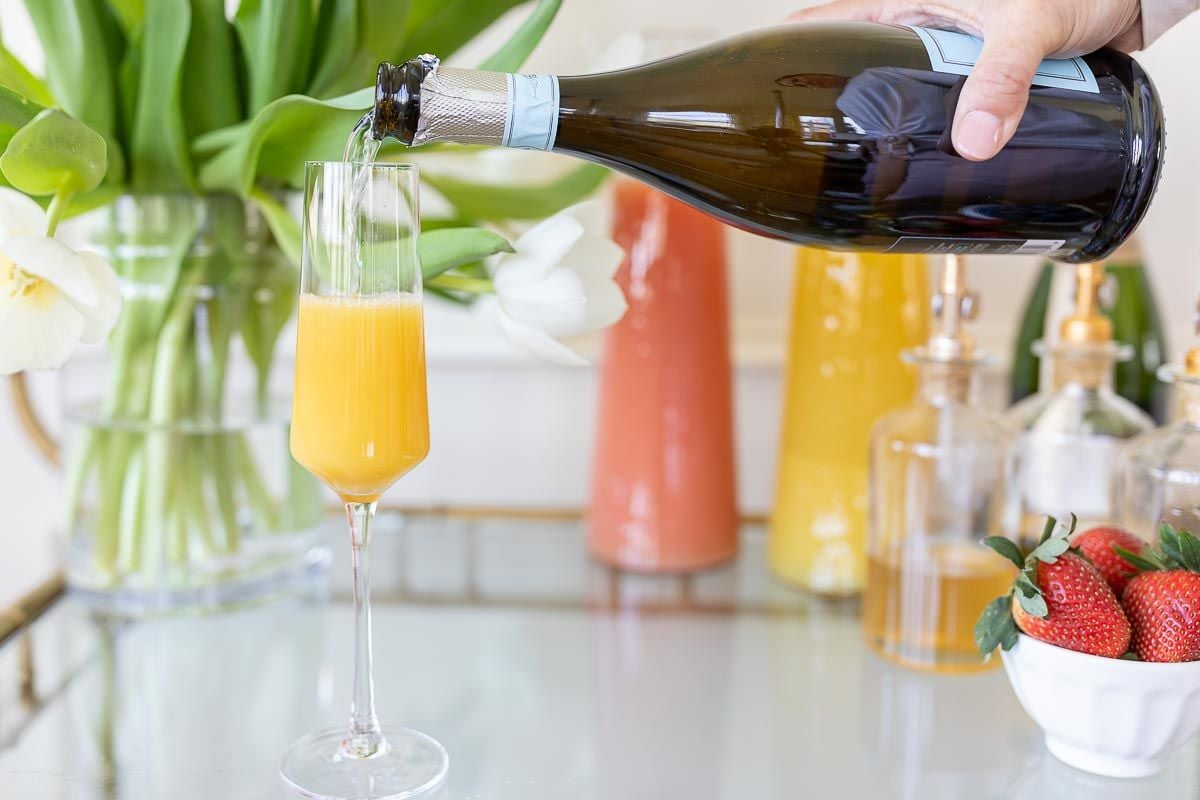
(828, 134)
(1128, 302)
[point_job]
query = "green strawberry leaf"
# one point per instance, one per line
(1049, 550)
(1006, 548)
(1143, 564)
(1168, 542)
(1034, 606)
(1048, 528)
(996, 626)
(1074, 523)
(1130, 656)
(1024, 584)
(1189, 548)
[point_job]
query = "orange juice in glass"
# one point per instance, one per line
(361, 419)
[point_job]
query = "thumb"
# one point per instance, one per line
(996, 93)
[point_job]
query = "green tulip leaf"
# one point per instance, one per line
(441, 27)
(513, 53)
(17, 77)
(54, 152)
(280, 139)
(284, 226)
(82, 41)
(516, 201)
(443, 250)
(158, 147)
(276, 38)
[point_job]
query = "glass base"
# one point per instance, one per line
(412, 765)
(297, 566)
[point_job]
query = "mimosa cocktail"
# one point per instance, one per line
(361, 419)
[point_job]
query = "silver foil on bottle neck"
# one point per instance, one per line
(463, 105)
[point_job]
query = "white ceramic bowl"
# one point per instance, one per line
(1109, 716)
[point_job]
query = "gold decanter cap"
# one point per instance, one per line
(1087, 325)
(953, 304)
(1191, 361)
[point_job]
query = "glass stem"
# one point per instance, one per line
(364, 738)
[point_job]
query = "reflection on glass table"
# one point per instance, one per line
(544, 676)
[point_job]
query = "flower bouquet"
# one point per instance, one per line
(177, 134)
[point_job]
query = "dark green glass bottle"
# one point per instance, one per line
(1128, 302)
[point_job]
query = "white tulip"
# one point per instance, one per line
(51, 297)
(558, 283)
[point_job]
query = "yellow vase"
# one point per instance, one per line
(852, 316)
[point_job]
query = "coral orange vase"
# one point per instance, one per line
(663, 494)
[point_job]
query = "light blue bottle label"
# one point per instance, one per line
(532, 122)
(957, 53)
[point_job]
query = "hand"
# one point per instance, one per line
(1017, 35)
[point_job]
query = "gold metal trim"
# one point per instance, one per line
(506, 512)
(24, 612)
(38, 434)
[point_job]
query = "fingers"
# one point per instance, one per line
(842, 9)
(994, 96)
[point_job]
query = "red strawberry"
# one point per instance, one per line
(1164, 611)
(1163, 602)
(1098, 545)
(1082, 612)
(1057, 596)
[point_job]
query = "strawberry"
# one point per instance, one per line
(1082, 613)
(1099, 545)
(1057, 597)
(1163, 602)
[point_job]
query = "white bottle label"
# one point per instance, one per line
(956, 53)
(968, 246)
(532, 122)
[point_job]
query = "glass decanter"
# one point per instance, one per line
(1158, 479)
(1073, 430)
(939, 469)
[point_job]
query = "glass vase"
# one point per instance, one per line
(180, 492)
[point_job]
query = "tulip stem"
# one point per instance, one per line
(58, 207)
(461, 283)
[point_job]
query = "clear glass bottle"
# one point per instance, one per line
(939, 469)
(1158, 479)
(1073, 429)
(1129, 301)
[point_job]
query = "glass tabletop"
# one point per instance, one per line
(545, 676)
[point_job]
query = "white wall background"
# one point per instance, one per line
(512, 432)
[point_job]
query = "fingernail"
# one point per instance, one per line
(978, 134)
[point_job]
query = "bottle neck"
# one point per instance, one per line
(1188, 400)
(465, 106)
(1090, 370)
(941, 383)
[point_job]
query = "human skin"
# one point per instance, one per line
(1017, 35)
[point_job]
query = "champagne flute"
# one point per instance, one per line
(360, 421)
